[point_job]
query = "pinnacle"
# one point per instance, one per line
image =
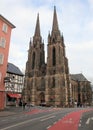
(55, 22)
(37, 29)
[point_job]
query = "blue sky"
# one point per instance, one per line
(75, 18)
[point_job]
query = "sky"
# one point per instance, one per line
(75, 19)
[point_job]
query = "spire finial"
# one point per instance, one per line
(37, 29)
(54, 7)
(55, 22)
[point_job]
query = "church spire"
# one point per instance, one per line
(37, 36)
(55, 22)
(37, 29)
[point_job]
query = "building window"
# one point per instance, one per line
(2, 42)
(5, 28)
(40, 59)
(1, 58)
(33, 61)
(53, 82)
(54, 56)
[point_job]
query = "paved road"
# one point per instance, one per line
(42, 119)
(74, 121)
(87, 121)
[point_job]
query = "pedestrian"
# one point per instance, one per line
(75, 103)
(24, 104)
(16, 102)
(80, 104)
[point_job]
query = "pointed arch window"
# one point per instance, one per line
(53, 40)
(40, 59)
(54, 56)
(53, 82)
(33, 60)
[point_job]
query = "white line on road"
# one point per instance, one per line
(54, 122)
(28, 121)
(79, 125)
(48, 127)
(5, 120)
(47, 118)
(88, 120)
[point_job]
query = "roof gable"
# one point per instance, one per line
(11, 68)
(78, 77)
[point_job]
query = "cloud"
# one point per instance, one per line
(79, 56)
(90, 3)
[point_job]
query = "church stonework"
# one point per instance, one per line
(47, 82)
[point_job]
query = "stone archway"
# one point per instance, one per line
(42, 97)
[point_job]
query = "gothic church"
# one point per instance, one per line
(47, 82)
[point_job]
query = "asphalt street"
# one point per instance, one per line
(87, 121)
(41, 118)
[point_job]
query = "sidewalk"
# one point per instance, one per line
(11, 111)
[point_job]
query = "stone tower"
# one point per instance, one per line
(57, 73)
(35, 69)
(49, 82)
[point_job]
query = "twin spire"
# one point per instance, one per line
(54, 27)
(37, 29)
(55, 22)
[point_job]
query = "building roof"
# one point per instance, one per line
(78, 77)
(6, 21)
(11, 68)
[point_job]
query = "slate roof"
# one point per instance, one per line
(11, 68)
(78, 77)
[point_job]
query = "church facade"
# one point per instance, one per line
(47, 82)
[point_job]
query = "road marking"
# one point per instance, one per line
(54, 122)
(48, 127)
(5, 120)
(70, 121)
(80, 120)
(27, 121)
(88, 121)
(79, 125)
(47, 118)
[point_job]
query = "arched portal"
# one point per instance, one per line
(42, 97)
